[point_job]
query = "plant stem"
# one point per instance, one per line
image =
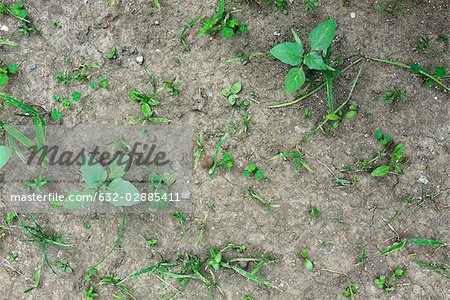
(329, 81)
(321, 86)
(422, 72)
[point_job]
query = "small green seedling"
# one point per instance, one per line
(444, 270)
(232, 95)
(382, 138)
(158, 187)
(90, 294)
(172, 87)
(211, 207)
(82, 74)
(222, 22)
(350, 291)
(417, 241)
(56, 24)
(314, 212)
(250, 193)
(395, 164)
(298, 157)
(18, 11)
(248, 297)
(386, 283)
(423, 44)
(252, 170)
(180, 218)
(112, 53)
(56, 114)
(37, 184)
(37, 278)
(391, 7)
(309, 5)
(63, 264)
(307, 113)
(395, 96)
(308, 263)
(292, 53)
(152, 242)
(68, 102)
(200, 145)
(281, 4)
(6, 72)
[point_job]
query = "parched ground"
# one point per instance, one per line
(351, 218)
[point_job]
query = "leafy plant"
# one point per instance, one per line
(112, 53)
(314, 212)
(222, 22)
(158, 187)
(63, 264)
(232, 95)
(395, 164)
(383, 139)
(308, 263)
(90, 294)
(386, 283)
(444, 270)
(7, 71)
(292, 53)
(252, 170)
(350, 291)
(423, 44)
(37, 184)
(18, 11)
(391, 7)
(37, 278)
(309, 5)
(395, 96)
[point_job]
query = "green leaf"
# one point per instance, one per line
(117, 167)
(84, 198)
(4, 79)
(13, 68)
(225, 92)
(308, 264)
(295, 78)
(94, 175)
(125, 191)
(314, 61)
(56, 114)
(426, 242)
(350, 114)
(152, 242)
(76, 96)
(332, 117)
(288, 53)
(236, 88)
(250, 276)
(440, 71)
(415, 68)
(18, 11)
(168, 178)
(5, 154)
(321, 37)
(380, 171)
(297, 38)
(378, 134)
(395, 247)
(251, 167)
(259, 174)
(221, 9)
(227, 32)
(398, 153)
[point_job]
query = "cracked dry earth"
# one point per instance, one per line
(351, 218)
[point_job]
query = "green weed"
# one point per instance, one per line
(386, 283)
(351, 291)
(423, 44)
(298, 158)
(416, 241)
(223, 22)
(395, 96)
(250, 193)
(306, 261)
(391, 7)
(63, 264)
(252, 171)
(37, 184)
(309, 5)
(6, 72)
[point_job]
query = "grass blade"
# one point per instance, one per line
(8, 42)
(395, 247)
(26, 108)
(37, 278)
(442, 271)
(19, 136)
(248, 275)
(426, 242)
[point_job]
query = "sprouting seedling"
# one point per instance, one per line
(314, 212)
(182, 36)
(63, 264)
(423, 44)
(245, 57)
(394, 96)
(391, 7)
(68, 102)
(250, 193)
(350, 291)
(395, 164)
(292, 53)
(37, 184)
(382, 138)
(173, 87)
(309, 5)
(112, 53)
(200, 145)
(417, 241)
(90, 294)
(82, 74)
(18, 11)
(252, 170)
(180, 218)
(387, 283)
(282, 4)
(308, 263)
(37, 278)
(211, 207)
(115, 281)
(232, 95)
(56, 114)
(298, 157)
(222, 22)
(6, 72)
(158, 187)
(39, 236)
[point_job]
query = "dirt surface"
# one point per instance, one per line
(351, 218)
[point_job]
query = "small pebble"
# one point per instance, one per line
(140, 60)
(4, 28)
(156, 22)
(32, 67)
(352, 15)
